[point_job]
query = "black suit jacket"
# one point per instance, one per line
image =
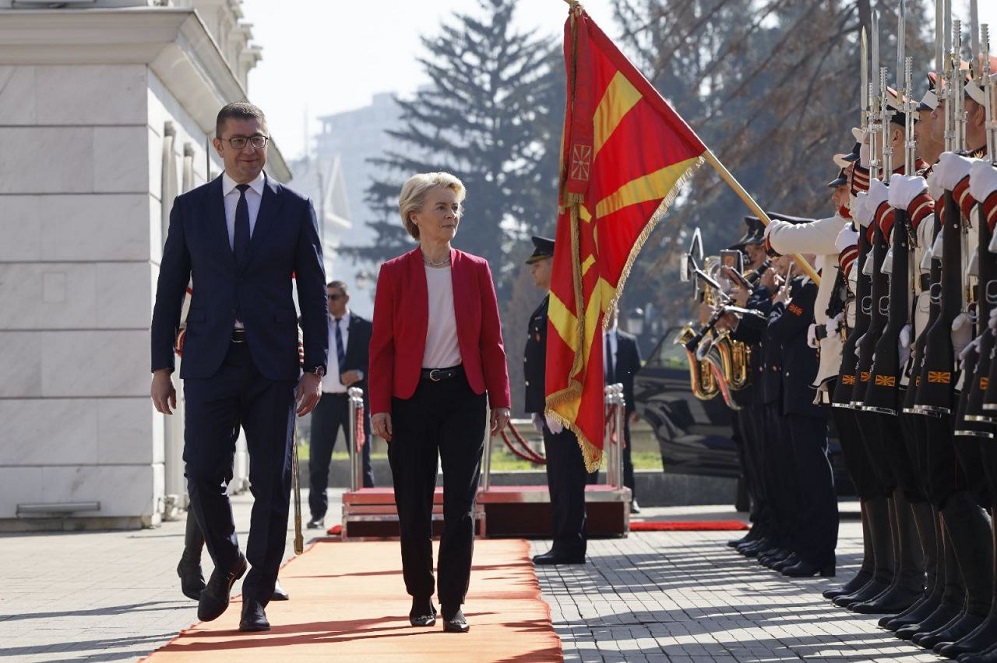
(798, 366)
(626, 366)
(357, 349)
(535, 359)
(285, 241)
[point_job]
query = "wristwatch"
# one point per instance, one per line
(318, 370)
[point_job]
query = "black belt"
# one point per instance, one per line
(238, 335)
(439, 374)
(820, 331)
(343, 394)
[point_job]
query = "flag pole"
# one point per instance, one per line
(754, 207)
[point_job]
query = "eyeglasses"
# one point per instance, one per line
(239, 142)
(333, 298)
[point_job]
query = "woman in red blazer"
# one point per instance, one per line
(435, 352)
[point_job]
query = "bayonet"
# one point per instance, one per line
(939, 38)
(988, 91)
(864, 76)
(875, 118)
(974, 27)
(885, 115)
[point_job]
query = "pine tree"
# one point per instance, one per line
(491, 116)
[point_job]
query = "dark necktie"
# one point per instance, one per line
(241, 242)
(610, 368)
(340, 352)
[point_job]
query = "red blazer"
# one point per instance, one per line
(401, 320)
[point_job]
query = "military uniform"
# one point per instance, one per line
(565, 464)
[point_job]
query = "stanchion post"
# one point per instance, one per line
(356, 462)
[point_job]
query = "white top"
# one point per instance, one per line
(442, 349)
(254, 196)
(331, 384)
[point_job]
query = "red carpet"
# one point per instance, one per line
(687, 526)
(348, 603)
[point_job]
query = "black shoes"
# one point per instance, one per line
(423, 613)
(191, 578)
(456, 624)
(554, 557)
(253, 617)
(279, 594)
(316, 523)
(215, 595)
(805, 569)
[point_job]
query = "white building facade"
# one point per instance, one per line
(107, 110)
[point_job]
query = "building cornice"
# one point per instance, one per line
(173, 42)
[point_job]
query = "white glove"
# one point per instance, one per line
(554, 424)
(847, 238)
(951, 168)
(538, 422)
(858, 346)
(962, 333)
(971, 347)
(903, 343)
(887, 267)
(867, 265)
(879, 193)
(992, 322)
(904, 189)
(982, 180)
(863, 209)
(832, 324)
(973, 268)
(935, 188)
(812, 335)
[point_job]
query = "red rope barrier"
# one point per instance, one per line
(527, 453)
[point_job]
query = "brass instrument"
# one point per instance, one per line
(704, 383)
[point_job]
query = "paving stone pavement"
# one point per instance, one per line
(654, 596)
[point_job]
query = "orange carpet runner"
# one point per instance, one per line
(348, 602)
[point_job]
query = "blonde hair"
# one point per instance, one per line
(415, 189)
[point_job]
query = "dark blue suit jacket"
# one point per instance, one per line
(285, 242)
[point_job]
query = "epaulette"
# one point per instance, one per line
(884, 217)
(921, 207)
(963, 197)
(847, 258)
(860, 179)
(990, 209)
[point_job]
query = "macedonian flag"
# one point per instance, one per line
(624, 154)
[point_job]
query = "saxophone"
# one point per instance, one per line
(704, 383)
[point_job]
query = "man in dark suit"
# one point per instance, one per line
(565, 465)
(242, 237)
(621, 361)
(349, 355)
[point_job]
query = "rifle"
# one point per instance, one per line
(936, 391)
(882, 393)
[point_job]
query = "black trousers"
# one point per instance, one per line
(330, 415)
(444, 420)
(780, 476)
(750, 421)
(215, 408)
(566, 483)
(816, 504)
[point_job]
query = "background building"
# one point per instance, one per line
(107, 109)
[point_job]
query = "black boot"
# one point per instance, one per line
(984, 633)
(908, 580)
(189, 568)
(865, 571)
(988, 655)
(934, 567)
(953, 596)
(972, 540)
(881, 536)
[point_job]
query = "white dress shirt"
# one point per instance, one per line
(254, 196)
(331, 383)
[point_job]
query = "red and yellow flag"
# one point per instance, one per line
(624, 154)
